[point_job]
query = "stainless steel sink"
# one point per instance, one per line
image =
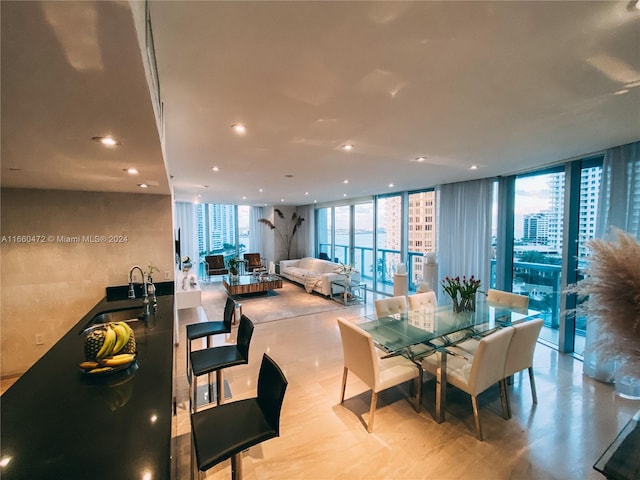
(133, 316)
(129, 315)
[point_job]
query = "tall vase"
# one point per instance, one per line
(464, 304)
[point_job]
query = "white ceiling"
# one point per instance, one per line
(509, 86)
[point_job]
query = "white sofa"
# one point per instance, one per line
(313, 273)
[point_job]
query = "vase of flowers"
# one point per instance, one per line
(462, 292)
(347, 271)
(186, 264)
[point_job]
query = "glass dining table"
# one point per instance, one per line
(429, 331)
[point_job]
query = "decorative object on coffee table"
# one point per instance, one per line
(234, 264)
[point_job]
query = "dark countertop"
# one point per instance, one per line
(58, 424)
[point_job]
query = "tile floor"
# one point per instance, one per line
(560, 438)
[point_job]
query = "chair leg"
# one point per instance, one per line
(476, 416)
(194, 463)
(219, 387)
(533, 386)
(188, 359)
(504, 399)
(344, 383)
(236, 466)
(194, 394)
(372, 410)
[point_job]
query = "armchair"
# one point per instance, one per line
(253, 262)
(214, 265)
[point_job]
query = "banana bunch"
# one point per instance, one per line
(107, 364)
(107, 347)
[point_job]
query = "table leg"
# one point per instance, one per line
(441, 386)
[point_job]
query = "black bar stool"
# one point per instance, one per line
(225, 431)
(215, 359)
(206, 329)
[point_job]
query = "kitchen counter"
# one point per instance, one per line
(58, 424)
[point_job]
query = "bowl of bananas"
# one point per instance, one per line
(108, 348)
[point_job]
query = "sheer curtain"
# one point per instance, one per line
(187, 222)
(255, 230)
(464, 230)
(618, 206)
(619, 200)
(305, 236)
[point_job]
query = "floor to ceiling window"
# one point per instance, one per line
(590, 176)
(388, 240)
(217, 230)
(537, 250)
(421, 234)
(341, 246)
(324, 232)
(363, 242)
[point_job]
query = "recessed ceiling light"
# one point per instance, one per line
(391, 185)
(348, 147)
(215, 169)
(345, 181)
(420, 159)
(315, 201)
(260, 190)
(143, 185)
(107, 140)
(239, 128)
(473, 167)
(306, 193)
(131, 171)
(282, 199)
(344, 194)
(244, 198)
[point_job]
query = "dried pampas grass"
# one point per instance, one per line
(611, 289)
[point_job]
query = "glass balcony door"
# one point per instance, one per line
(363, 242)
(537, 250)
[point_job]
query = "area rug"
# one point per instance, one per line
(287, 302)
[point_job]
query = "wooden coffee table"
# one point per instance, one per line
(247, 284)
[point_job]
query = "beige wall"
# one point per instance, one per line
(47, 287)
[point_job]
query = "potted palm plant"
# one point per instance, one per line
(233, 264)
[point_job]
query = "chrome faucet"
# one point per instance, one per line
(132, 293)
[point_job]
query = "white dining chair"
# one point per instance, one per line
(520, 354)
(423, 300)
(386, 307)
(507, 298)
(377, 373)
(477, 373)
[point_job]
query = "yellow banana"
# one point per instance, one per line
(109, 342)
(117, 360)
(88, 365)
(100, 370)
(122, 336)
